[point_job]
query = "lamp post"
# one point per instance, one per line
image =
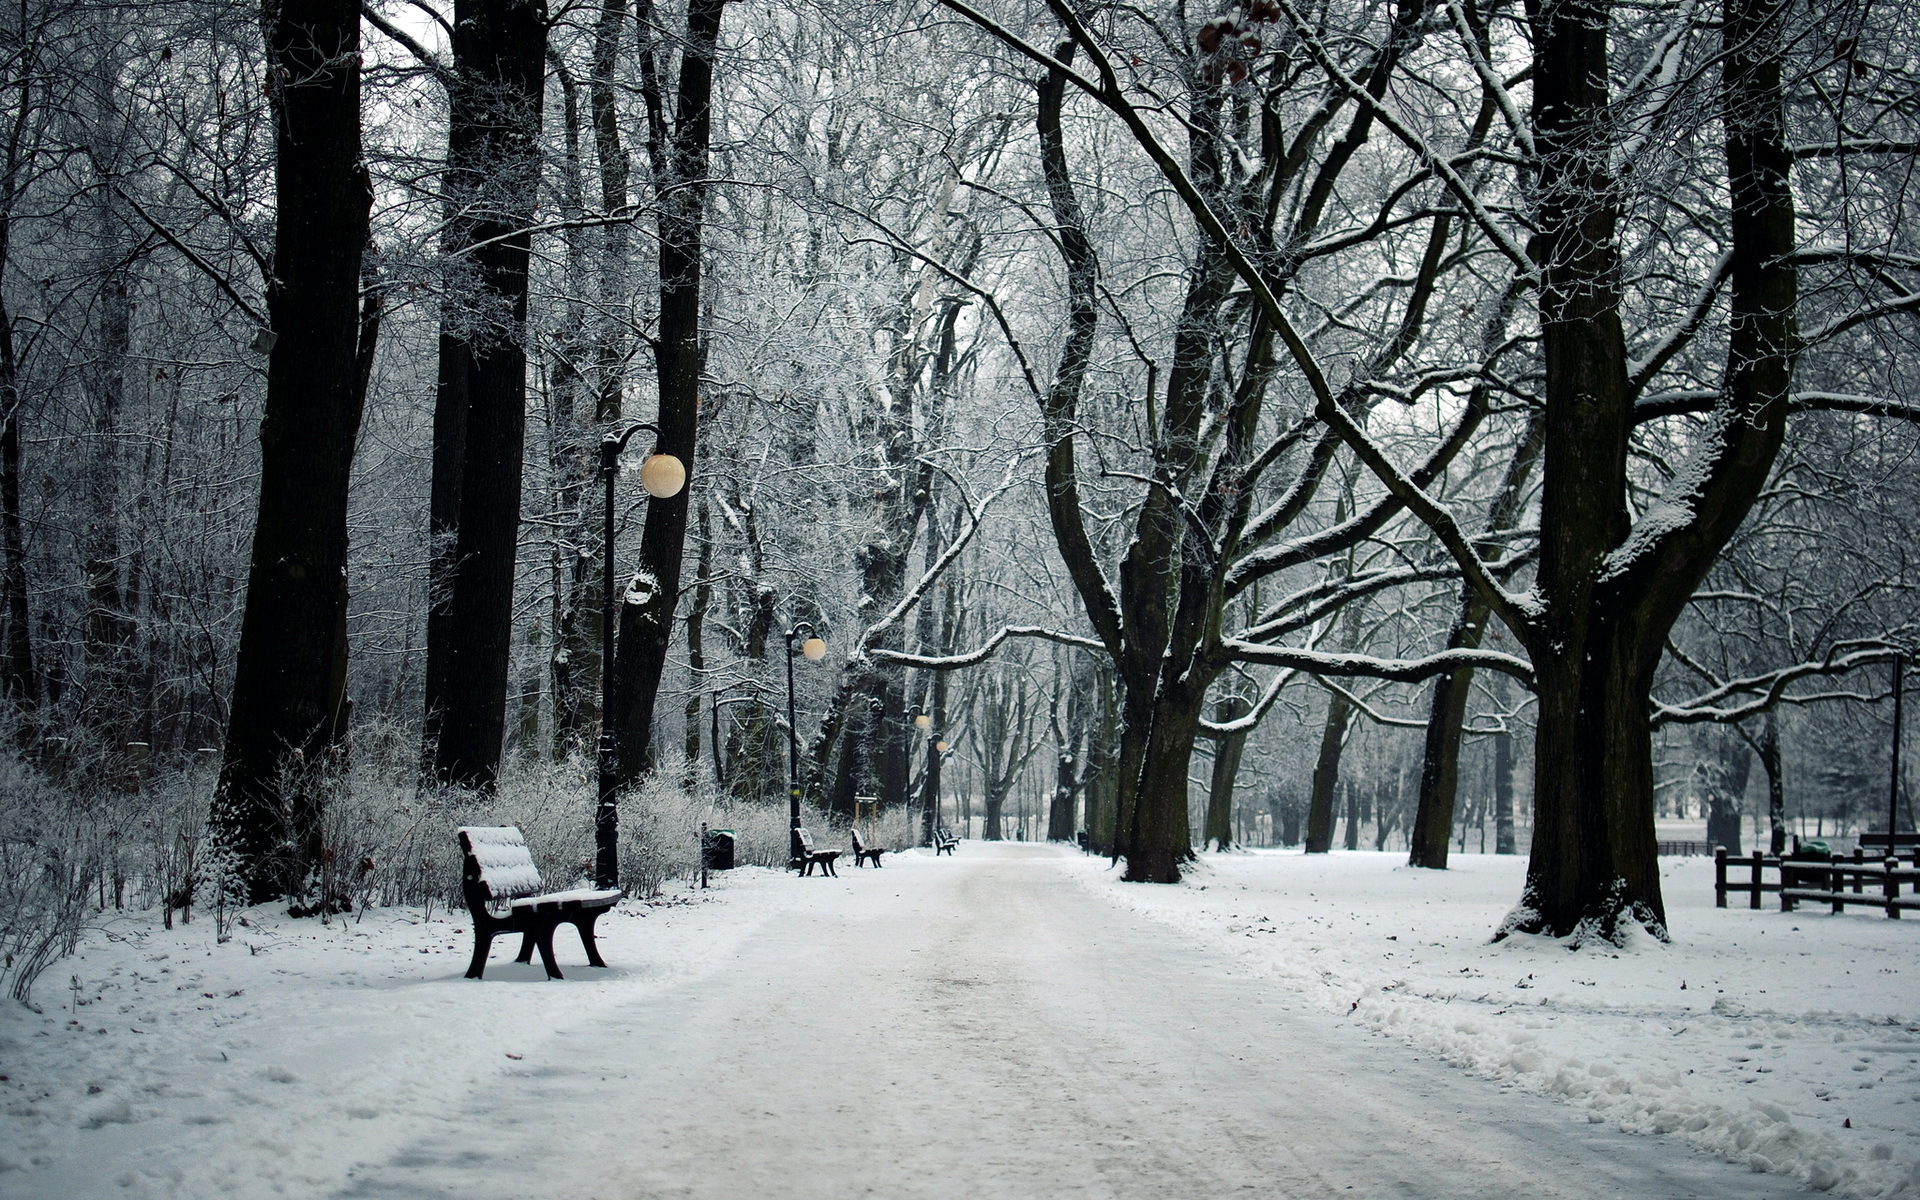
(662, 475)
(1893, 785)
(814, 649)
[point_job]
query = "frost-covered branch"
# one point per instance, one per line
(1770, 686)
(1367, 666)
(981, 653)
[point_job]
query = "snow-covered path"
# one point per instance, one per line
(985, 1027)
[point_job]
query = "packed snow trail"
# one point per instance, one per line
(981, 1026)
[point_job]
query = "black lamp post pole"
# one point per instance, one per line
(1893, 784)
(606, 816)
(793, 749)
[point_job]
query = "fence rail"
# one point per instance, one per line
(1823, 879)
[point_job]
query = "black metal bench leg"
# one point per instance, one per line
(482, 943)
(526, 947)
(585, 926)
(546, 951)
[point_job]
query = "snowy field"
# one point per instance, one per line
(1787, 1041)
(170, 1065)
(165, 1064)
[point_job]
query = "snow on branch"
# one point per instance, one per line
(1367, 666)
(981, 653)
(975, 510)
(1688, 401)
(1438, 163)
(1253, 716)
(1771, 686)
(1367, 710)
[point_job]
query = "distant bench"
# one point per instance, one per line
(862, 852)
(944, 840)
(807, 857)
(505, 894)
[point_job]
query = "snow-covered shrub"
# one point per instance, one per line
(49, 872)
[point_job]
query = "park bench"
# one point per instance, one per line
(944, 841)
(862, 852)
(806, 857)
(505, 894)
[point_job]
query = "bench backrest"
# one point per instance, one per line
(805, 839)
(945, 834)
(859, 846)
(498, 865)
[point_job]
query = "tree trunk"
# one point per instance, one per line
(493, 169)
(287, 691)
(680, 177)
(1226, 765)
(574, 660)
(1162, 836)
(1593, 869)
(1103, 812)
(1776, 784)
(1440, 761)
(697, 653)
(1503, 837)
(19, 682)
(1326, 775)
(1725, 796)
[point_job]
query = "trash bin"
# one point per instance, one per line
(717, 854)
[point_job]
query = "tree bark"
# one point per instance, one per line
(679, 157)
(19, 682)
(1440, 758)
(287, 692)
(1776, 784)
(1226, 765)
(1503, 834)
(493, 175)
(1593, 868)
(1326, 775)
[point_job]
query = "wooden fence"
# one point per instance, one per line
(1860, 881)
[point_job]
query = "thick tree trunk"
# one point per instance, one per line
(680, 177)
(288, 691)
(493, 168)
(1326, 775)
(1162, 836)
(1593, 868)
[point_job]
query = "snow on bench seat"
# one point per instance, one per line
(587, 897)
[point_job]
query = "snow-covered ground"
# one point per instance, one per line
(170, 1064)
(166, 1064)
(1788, 1041)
